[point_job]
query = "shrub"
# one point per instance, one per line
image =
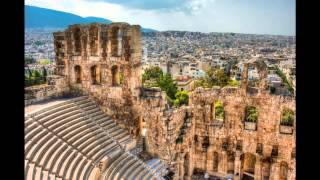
(251, 114)
(182, 97)
(218, 110)
(287, 117)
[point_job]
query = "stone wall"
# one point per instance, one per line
(220, 148)
(56, 87)
(103, 61)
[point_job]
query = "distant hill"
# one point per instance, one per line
(36, 17)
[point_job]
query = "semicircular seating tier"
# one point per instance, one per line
(68, 140)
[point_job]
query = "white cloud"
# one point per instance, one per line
(193, 15)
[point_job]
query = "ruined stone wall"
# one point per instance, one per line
(222, 147)
(56, 87)
(221, 155)
(103, 61)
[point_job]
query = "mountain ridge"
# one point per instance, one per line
(37, 17)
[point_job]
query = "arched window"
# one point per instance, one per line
(218, 111)
(266, 167)
(77, 40)
(231, 159)
(283, 171)
(248, 162)
(115, 75)
(95, 75)
(114, 41)
(93, 36)
(77, 72)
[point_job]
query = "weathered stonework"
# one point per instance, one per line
(104, 61)
(56, 87)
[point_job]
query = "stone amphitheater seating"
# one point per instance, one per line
(67, 141)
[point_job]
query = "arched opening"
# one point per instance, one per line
(215, 162)
(114, 41)
(93, 36)
(115, 75)
(231, 159)
(77, 73)
(283, 171)
(218, 111)
(266, 167)
(95, 75)
(186, 164)
(248, 162)
(77, 40)
(251, 118)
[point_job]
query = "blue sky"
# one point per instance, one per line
(240, 16)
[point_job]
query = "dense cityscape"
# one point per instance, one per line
(187, 56)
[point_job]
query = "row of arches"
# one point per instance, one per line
(251, 114)
(95, 74)
(248, 165)
(116, 40)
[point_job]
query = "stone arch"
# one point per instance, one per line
(77, 40)
(115, 75)
(248, 162)
(266, 167)
(95, 75)
(231, 159)
(283, 173)
(93, 39)
(78, 74)
(261, 67)
(215, 162)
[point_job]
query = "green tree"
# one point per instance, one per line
(152, 73)
(165, 82)
(214, 77)
(182, 97)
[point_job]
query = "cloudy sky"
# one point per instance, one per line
(240, 16)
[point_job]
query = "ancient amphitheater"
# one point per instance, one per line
(93, 119)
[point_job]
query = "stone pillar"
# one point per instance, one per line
(258, 169)
(237, 166)
(244, 78)
(209, 159)
(274, 172)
